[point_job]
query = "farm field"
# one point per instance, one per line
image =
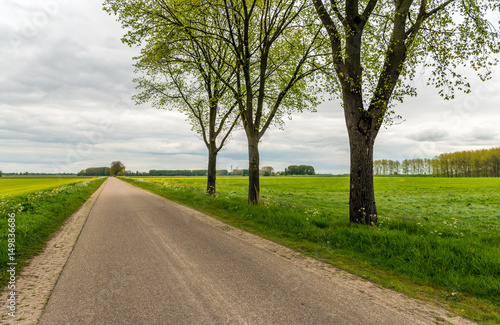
(437, 238)
(23, 185)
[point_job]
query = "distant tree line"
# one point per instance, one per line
(202, 172)
(477, 163)
(299, 170)
(406, 167)
(136, 173)
(95, 171)
(35, 174)
(471, 163)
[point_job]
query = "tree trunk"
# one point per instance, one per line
(253, 169)
(362, 207)
(363, 129)
(212, 169)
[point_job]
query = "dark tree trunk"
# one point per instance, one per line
(253, 169)
(362, 207)
(363, 129)
(212, 169)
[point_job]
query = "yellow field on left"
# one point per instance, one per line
(23, 185)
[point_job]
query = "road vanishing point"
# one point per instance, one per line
(141, 259)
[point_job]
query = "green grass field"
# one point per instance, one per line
(437, 238)
(23, 185)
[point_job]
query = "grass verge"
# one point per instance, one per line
(431, 244)
(38, 215)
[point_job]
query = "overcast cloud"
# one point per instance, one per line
(66, 83)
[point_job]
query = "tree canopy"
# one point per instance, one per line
(180, 70)
(299, 170)
(117, 168)
(261, 57)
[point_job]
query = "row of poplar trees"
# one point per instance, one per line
(468, 163)
(249, 63)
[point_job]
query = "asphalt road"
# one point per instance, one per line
(142, 260)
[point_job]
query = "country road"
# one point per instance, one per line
(143, 260)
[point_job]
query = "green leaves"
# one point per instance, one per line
(398, 40)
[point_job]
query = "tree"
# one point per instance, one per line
(117, 168)
(273, 49)
(180, 70)
(277, 48)
(95, 171)
(299, 170)
(377, 47)
(269, 49)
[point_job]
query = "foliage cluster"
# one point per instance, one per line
(117, 168)
(95, 171)
(477, 163)
(299, 170)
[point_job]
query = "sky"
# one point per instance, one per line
(65, 105)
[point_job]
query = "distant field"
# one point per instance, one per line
(18, 186)
(476, 199)
(433, 234)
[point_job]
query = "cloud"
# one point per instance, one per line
(484, 133)
(65, 102)
(432, 135)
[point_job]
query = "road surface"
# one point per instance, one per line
(143, 260)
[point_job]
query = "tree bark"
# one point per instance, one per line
(362, 128)
(362, 207)
(253, 169)
(212, 169)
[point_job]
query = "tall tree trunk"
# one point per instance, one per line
(362, 207)
(212, 169)
(253, 169)
(363, 129)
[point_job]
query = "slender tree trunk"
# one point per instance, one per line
(212, 169)
(253, 169)
(362, 207)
